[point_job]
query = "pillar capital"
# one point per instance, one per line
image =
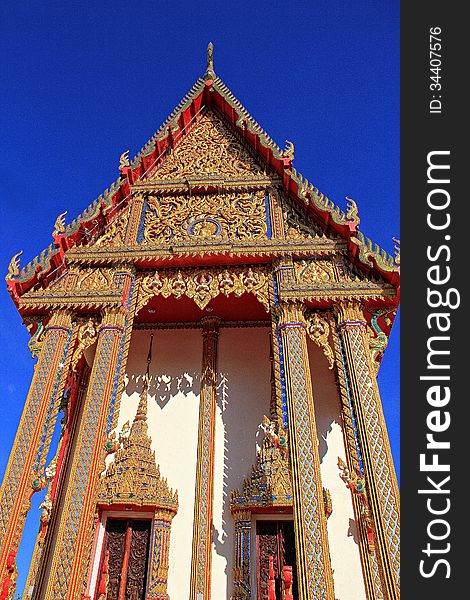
(210, 324)
(291, 314)
(124, 266)
(350, 311)
(113, 317)
(241, 515)
(61, 318)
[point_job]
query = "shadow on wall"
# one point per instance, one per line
(164, 386)
(325, 397)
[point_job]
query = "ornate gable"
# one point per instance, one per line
(210, 183)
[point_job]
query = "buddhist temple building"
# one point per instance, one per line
(207, 337)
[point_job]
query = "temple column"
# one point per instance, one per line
(315, 577)
(65, 574)
(56, 469)
(23, 474)
(201, 559)
(242, 551)
(379, 473)
(372, 581)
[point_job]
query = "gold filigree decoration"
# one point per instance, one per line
(86, 337)
(59, 225)
(270, 482)
(314, 271)
(14, 266)
(210, 149)
(134, 477)
(173, 218)
(318, 330)
(46, 505)
(202, 285)
(299, 225)
(95, 279)
(116, 232)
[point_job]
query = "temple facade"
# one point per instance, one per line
(208, 334)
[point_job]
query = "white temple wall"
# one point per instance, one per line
(173, 412)
(342, 530)
(243, 398)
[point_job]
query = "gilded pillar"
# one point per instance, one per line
(242, 551)
(158, 579)
(372, 582)
(201, 559)
(24, 471)
(313, 558)
(65, 575)
(377, 464)
(71, 400)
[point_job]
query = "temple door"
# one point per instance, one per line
(276, 539)
(126, 546)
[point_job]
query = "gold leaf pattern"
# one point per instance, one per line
(311, 272)
(210, 149)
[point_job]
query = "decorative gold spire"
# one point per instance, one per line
(141, 414)
(134, 477)
(210, 74)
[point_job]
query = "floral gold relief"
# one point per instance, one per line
(226, 216)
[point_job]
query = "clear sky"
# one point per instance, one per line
(84, 81)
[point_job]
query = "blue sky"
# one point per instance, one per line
(82, 82)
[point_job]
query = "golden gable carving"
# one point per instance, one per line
(210, 149)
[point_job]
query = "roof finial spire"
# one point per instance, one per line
(210, 74)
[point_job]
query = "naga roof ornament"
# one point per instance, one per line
(14, 266)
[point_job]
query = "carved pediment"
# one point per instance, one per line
(270, 481)
(221, 216)
(133, 477)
